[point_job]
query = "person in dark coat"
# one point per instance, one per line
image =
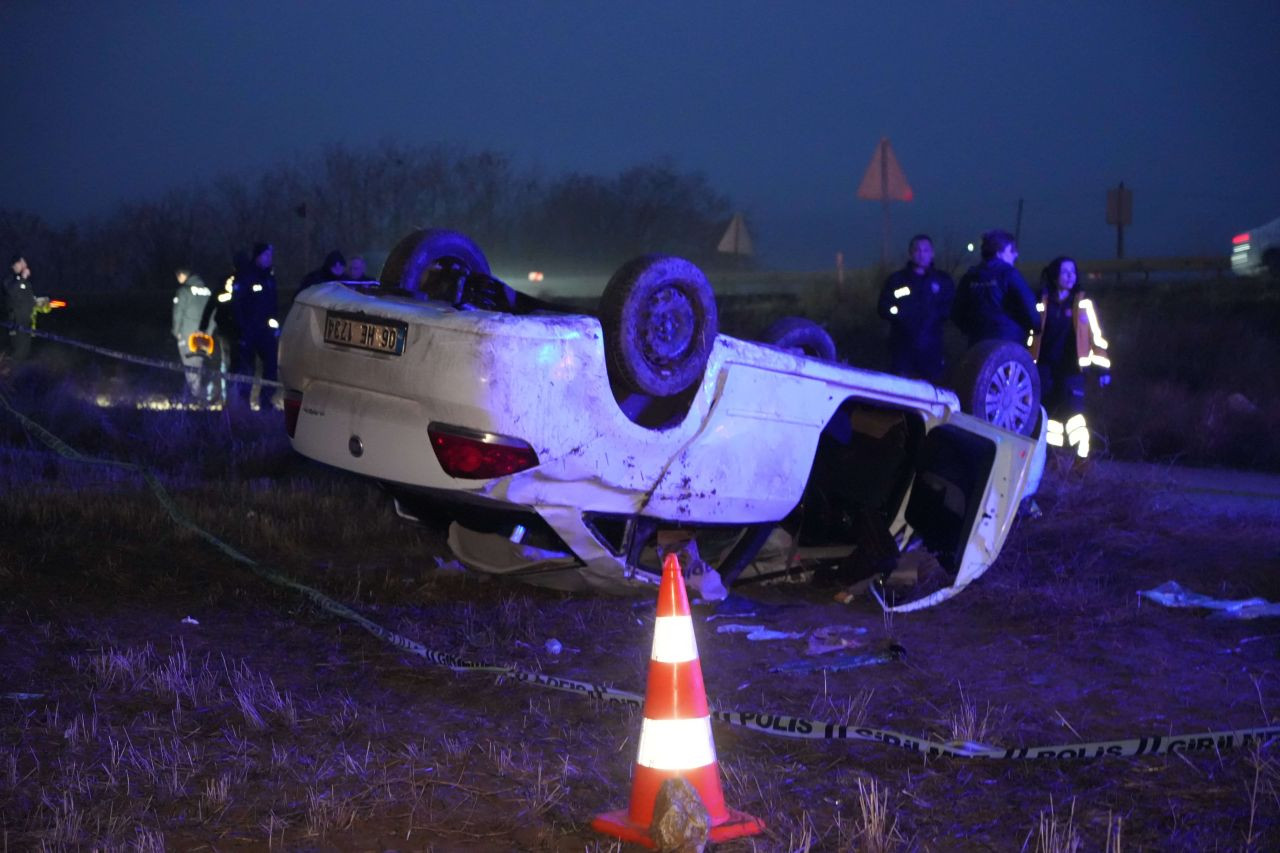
(1069, 347)
(331, 270)
(18, 306)
(256, 309)
(358, 271)
(916, 300)
(218, 319)
(993, 300)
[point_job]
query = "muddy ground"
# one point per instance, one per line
(160, 695)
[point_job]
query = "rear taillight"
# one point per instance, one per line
(292, 406)
(473, 455)
(1240, 238)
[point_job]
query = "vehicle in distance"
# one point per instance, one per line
(1257, 251)
(567, 449)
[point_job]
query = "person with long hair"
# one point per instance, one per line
(1068, 348)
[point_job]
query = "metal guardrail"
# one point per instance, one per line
(1146, 267)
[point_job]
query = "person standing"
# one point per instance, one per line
(218, 320)
(331, 270)
(916, 300)
(256, 308)
(189, 302)
(993, 300)
(19, 307)
(1068, 347)
(357, 270)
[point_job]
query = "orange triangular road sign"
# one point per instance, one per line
(884, 180)
(736, 240)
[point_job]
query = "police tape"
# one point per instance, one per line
(778, 725)
(143, 360)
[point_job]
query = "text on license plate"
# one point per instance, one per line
(363, 333)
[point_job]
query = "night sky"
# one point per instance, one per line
(984, 103)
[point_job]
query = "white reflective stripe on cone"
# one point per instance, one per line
(673, 640)
(676, 744)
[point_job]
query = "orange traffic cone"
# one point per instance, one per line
(675, 739)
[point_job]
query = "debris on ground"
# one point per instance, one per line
(759, 632)
(890, 653)
(1173, 594)
(699, 576)
(834, 638)
(681, 823)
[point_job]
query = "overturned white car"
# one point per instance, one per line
(565, 447)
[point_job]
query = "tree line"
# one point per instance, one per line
(363, 201)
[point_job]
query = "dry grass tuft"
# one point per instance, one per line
(968, 724)
(874, 831)
(1054, 834)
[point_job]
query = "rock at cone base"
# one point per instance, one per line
(681, 823)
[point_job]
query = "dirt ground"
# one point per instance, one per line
(158, 694)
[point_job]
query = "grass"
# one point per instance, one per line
(270, 724)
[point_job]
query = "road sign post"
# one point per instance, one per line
(884, 181)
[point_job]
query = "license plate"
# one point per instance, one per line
(353, 330)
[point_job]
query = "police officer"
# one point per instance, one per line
(256, 309)
(916, 300)
(993, 300)
(218, 319)
(189, 302)
(331, 270)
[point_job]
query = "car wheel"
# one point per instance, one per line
(998, 382)
(660, 322)
(801, 335)
(433, 261)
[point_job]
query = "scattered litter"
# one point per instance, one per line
(20, 696)
(553, 646)
(187, 620)
(449, 565)
(891, 653)
(680, 821)
(833, 638)
(699, 576)
(759, 632)
(740, 606)
(1173, 594)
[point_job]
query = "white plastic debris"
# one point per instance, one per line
(759, 632)
(187, 620)
(1173, 594)
(553, 646)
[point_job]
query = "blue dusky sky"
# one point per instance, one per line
(780, 104)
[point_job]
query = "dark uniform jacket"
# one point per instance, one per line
(923, 303)
(254, 302)
(17, 301)
(993, 300)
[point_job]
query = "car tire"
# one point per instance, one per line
(660, 322)
(417, 262)
(998, 382)
(802, 334)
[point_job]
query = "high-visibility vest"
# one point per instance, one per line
(1091, 346)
